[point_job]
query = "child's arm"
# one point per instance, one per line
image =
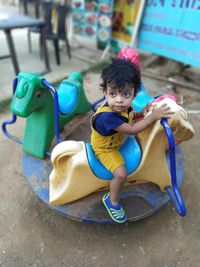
(157, 113)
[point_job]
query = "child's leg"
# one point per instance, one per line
(111, 200)
(116, 184)
(115, 163)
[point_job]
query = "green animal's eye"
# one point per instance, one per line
(38, 94)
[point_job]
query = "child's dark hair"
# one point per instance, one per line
(120, 73)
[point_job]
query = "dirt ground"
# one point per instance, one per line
(31, 234)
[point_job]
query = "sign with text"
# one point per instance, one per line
(171, 28)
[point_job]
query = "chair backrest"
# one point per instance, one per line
(55, 18)
(47, 14)
(63, 11)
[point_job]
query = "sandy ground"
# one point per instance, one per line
(33, 235)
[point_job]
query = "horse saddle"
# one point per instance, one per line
(67, 97)
(130, 151)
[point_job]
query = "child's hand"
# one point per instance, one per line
(162, 111)
(158, 113)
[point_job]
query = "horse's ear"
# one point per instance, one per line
(65, 148)
(62, 159)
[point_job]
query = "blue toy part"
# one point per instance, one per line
(141, 99)
(67, 97)
(130, 151)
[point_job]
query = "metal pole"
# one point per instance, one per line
(12, 51)
(192, 87)
(137, 23)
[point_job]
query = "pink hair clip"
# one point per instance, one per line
(131, 55)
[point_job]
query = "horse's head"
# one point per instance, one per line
(172, 102)
(181, 127)
(30, 94)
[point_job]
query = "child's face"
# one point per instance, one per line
(119, 101)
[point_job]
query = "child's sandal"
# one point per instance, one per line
(116, 212)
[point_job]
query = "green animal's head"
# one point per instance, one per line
(30, 94)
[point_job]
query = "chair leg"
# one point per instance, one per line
(29, 41)
(41, 47)
(68, 47)
(57, 54)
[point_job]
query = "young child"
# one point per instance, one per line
(121, 82)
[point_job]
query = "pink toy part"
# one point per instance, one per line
(160, 98)
(130, 54)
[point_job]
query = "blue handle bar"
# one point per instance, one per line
(56, 109)
(12, 121)
(173, 192)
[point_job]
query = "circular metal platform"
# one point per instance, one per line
(139, 201)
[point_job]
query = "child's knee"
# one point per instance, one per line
(120, 174)
(120, 178)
